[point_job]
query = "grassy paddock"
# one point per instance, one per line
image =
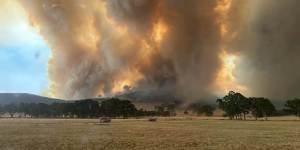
(166, 133)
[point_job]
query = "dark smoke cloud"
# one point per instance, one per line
(188, 56)
(193, 45)
(270, 48)
(139, 15)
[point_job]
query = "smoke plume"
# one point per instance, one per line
(193, 49)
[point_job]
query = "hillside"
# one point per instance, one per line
(7, 98)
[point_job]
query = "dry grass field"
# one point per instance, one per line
(166, 133)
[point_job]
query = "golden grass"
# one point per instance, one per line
(167, 133)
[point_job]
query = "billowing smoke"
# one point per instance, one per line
(269, 45)
(99, 47)
(186, 48)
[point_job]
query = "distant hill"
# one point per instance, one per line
(7, 98)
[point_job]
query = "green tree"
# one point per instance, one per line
(86, 108)
(118, 108)
(235, 105)
(293, 106)
(261, 107)
(127, 109)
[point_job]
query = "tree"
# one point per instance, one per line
(116, 108)
(142, 112)
(25, 108)
(164, 110)
(196, 108)
(207, 110)
(1, 110)
(234, 104)
(56, 109)
(68, 109)
(293, 106)
(39, 110)
(86, 108)
(11, 109)
(200, 109)
(127, 109)
(261, 107)
(171, 108)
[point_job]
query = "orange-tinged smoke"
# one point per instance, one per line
(222, 9)
(159, 31)
(129, 81)
(109, 47)
(226, 78)
(188, 49)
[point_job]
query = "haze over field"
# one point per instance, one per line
(193, 49)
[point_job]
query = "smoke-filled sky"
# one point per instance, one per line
(192, 49)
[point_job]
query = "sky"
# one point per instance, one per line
(23, 53)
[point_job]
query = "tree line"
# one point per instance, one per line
(237, 106)
(113, 107)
